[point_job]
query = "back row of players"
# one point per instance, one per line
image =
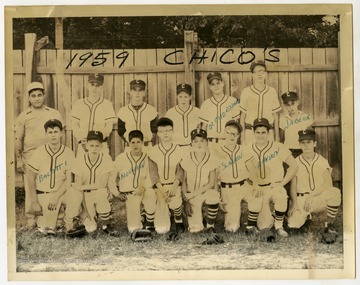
(198, 160)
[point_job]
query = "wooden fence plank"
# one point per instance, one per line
(332, 86)
(294, 77)
(306, 78)
(162, 100)
(170, 92)
(334, 143)
(283, 76)
(152, 90)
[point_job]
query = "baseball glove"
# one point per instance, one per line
(188, 209)
(267, 235)
(328, 237)
(142, 235)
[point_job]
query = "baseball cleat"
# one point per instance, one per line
(180, 228)
(210, 230)
(251, 231)
(281, 232)
(330, 229)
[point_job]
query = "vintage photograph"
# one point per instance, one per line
(203, 142)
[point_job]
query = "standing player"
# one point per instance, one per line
(218, 109)
(259, 101)
(94, 176)
(133, 170)
(50, 181)
(93, 113)
(233, 176)
(29, 135)
(184, 115)
(267, 175)
(292, 122)
(138, 115)
(166, 175)
(311, 189)
(200, 183)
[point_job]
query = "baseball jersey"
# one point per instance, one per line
(91, 172)
(138, 119)
(217, 113)
(167, 161)
(266, 165)
(232, 164)
(132, 173)
(51, 167)
(292, 125)
(92, 116)
(259, 103)
(31, 123)
(184, 123)
(310, 175)
(197, 172)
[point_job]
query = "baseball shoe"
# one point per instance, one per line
(76, 231)
(330, 229)
(152, 230)
(252, 231)
(210, 230)
(45, 232)
(180, 228)
(281, 232)
(111, 231)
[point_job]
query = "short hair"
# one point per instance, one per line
(164, 122)
(52, 124)
(136, 134)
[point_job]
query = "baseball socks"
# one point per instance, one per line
(251, 228)
(279, 221)
(179, 225)
(212, 211)
(106, 225)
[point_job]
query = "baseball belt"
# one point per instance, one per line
(302, 194)
(216, 140)
(163, 184)
(42, 192)
(230, 185)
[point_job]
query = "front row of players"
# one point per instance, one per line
(161, 180)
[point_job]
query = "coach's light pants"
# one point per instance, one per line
(330, 197)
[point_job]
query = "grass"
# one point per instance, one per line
(104, 253)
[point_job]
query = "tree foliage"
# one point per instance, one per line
(168, 32)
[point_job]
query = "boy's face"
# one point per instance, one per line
(259, 74)
(307, 146)
(199, 144)
(94, 89)
(183, 99)
(261, 135)
(94, 147)
(136, 145)
(36, 98)
(137, 95)
(231, 134)
(54, 135)
(217, 86)
(292, 107)
(165, 133)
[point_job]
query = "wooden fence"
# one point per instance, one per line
(313, 73)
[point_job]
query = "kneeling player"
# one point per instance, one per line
(135, 186)
(311, 189)
(200, 182)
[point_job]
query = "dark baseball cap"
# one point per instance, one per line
(308, 134)
(163, 122)
(256, 63)
(234, 124)
(52, 124)
(95, 135)
(198, 133)
(136, 134)
(214, 75)
(262, 122)
(184, 87)
(289, 96)
(96, 78)
(34, 86)
(137, 83)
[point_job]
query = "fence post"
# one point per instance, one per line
(30, 62)
(59, 34)
(189, 45)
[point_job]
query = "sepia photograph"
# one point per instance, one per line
(180, 142)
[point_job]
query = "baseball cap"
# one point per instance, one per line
(214, 75)
(95, 135)
(256, 63)
(96, 78)
(198, 133)
(162, 122)
(34, 85)
(137, 83)
(53, 123)
(261, 122)
(184, 87)
(308, 134)
(289, 96)
(136, 134)
(235, 124)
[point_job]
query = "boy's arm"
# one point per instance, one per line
(276, 127)
(19, 137)
(35, 207)
(293, 196)
(242, 123)
(211, 183)
(62, 189)
(290, 172)
(112, 184)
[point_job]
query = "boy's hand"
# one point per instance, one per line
(140, 191)
(53, 203)
(35, 209)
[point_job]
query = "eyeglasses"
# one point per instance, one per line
(164, 131)
(231, 134)
(260, 72)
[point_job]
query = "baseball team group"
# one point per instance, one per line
(176, 172)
